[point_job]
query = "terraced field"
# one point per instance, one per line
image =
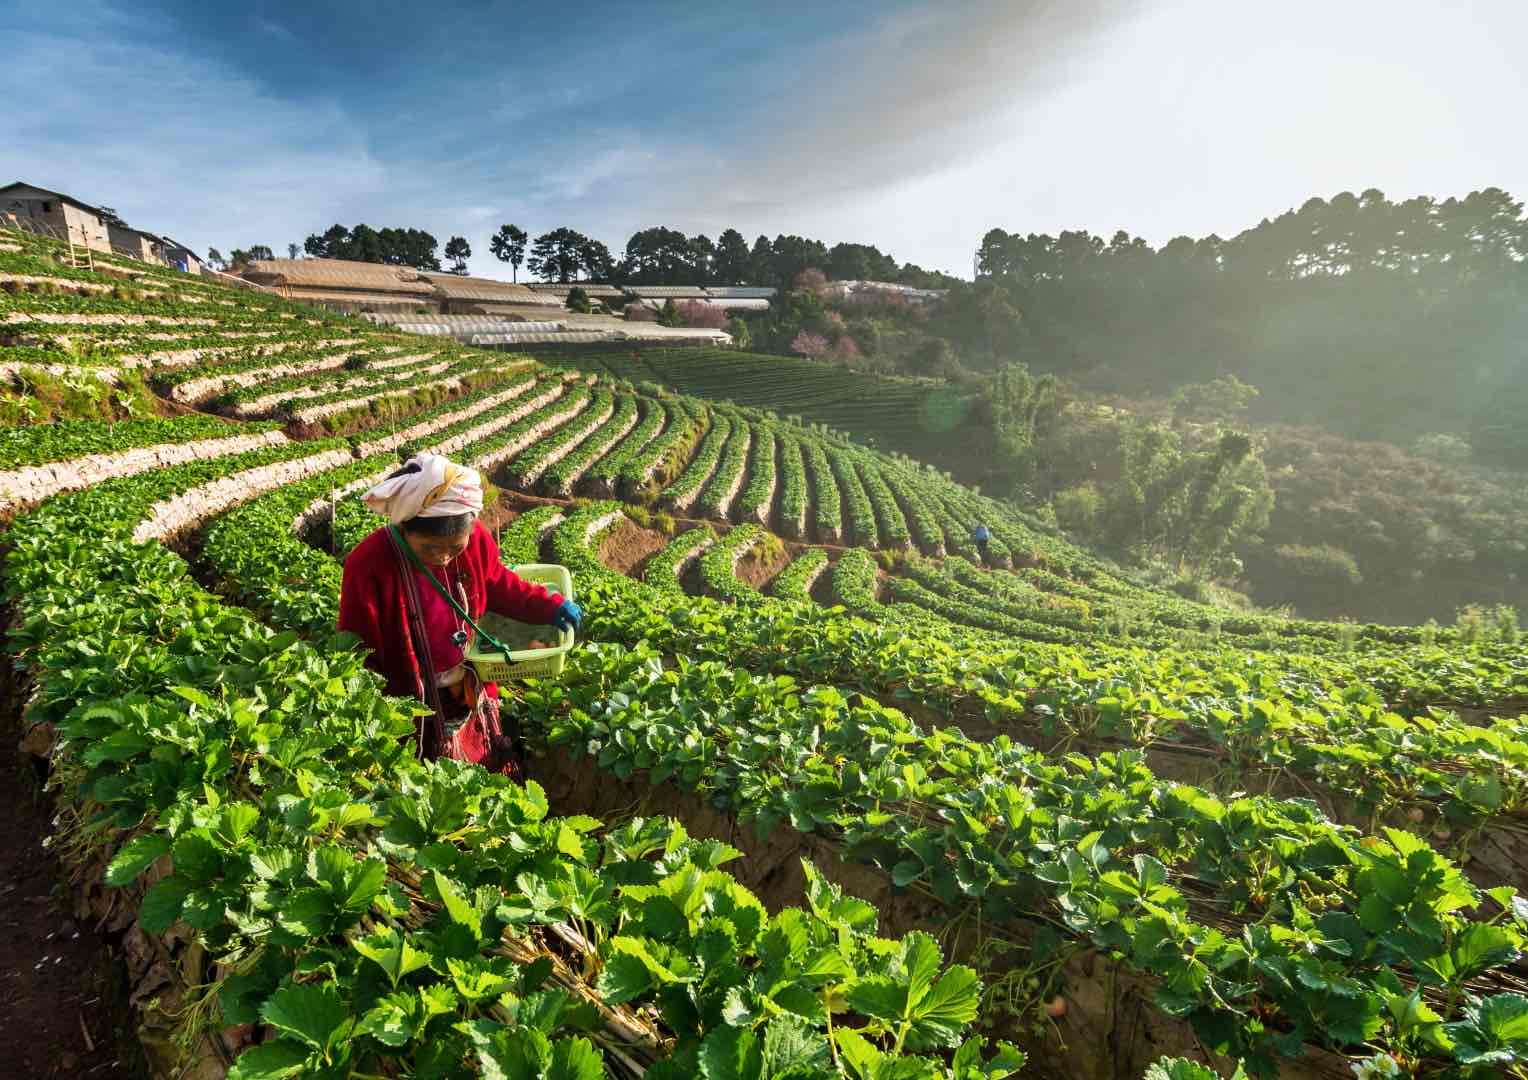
(921, 417)
(1043, 805)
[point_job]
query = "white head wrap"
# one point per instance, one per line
(440, 488)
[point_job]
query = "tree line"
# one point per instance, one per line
(661, 255)
(658, 255)
(1374, 318)
(395, 247)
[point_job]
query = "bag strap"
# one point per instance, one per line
(428, 747)
(403, 545)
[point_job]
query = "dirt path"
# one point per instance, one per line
(627, 547)
(62, 992)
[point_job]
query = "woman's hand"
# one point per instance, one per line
(569, 616)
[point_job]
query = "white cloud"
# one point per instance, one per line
(1192, 116)
(176, 145)
(916, 133)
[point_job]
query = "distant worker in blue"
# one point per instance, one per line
(983, 540)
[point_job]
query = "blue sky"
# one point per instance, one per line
(914, 126)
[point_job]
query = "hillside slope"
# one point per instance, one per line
(1169, 818)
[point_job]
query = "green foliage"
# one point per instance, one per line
(458, 251)
(1322, 566)
(508, 245)
(1444, 447)
(796, 580)
(1429, 536)
(1182, 499)
(1223, 400)
(664, 569)
(1356, 312)
(397, 247)
(377, 914)
(1018, 404)
(37, 444)
(276, 813)
(1078, 508)
(742, 333)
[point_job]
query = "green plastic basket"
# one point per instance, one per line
(525, 663)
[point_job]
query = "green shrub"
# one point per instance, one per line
(1077, 508)
(1320, 564)
(1443, 446)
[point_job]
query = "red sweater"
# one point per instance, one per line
(372, 602)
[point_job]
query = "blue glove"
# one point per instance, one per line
(569, 617)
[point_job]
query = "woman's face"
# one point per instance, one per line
(438, 550)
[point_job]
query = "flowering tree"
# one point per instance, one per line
(695, 313)
(846, 348)
(809, 344)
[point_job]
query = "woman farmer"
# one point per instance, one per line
(982, 537)
(393, 597)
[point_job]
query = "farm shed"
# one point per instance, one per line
(593, 291)
(180, 257)
(640, 331)
(741, 292)
(734, 303)
(577, 337)
(62, 214)
(667, 292)
(134, 243)
(464, 327)
(467, 295)
(344, 285)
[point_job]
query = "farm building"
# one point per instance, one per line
(134, 243)
(591, 290)
(180, 257)
(741, 292)
(735, 303)
(458, 295)
(344, 285)
(668, 292)
(464, 327)
(62, 215)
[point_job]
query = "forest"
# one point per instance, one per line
(1375, 319)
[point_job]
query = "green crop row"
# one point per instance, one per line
(795, 581)
(827, 508)
(530, 463)
(683, 492)
(381, 915)
(862, 526)
(605, 472)
(892, 524)
(357, 368)
(521, 542)
(716, 497)
(718, 566)
(792, 498)
(44, 443)
(758, 495)
(854, 581)
(1337, 931)
(666, 452)
(561, 477)
(662, 570)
